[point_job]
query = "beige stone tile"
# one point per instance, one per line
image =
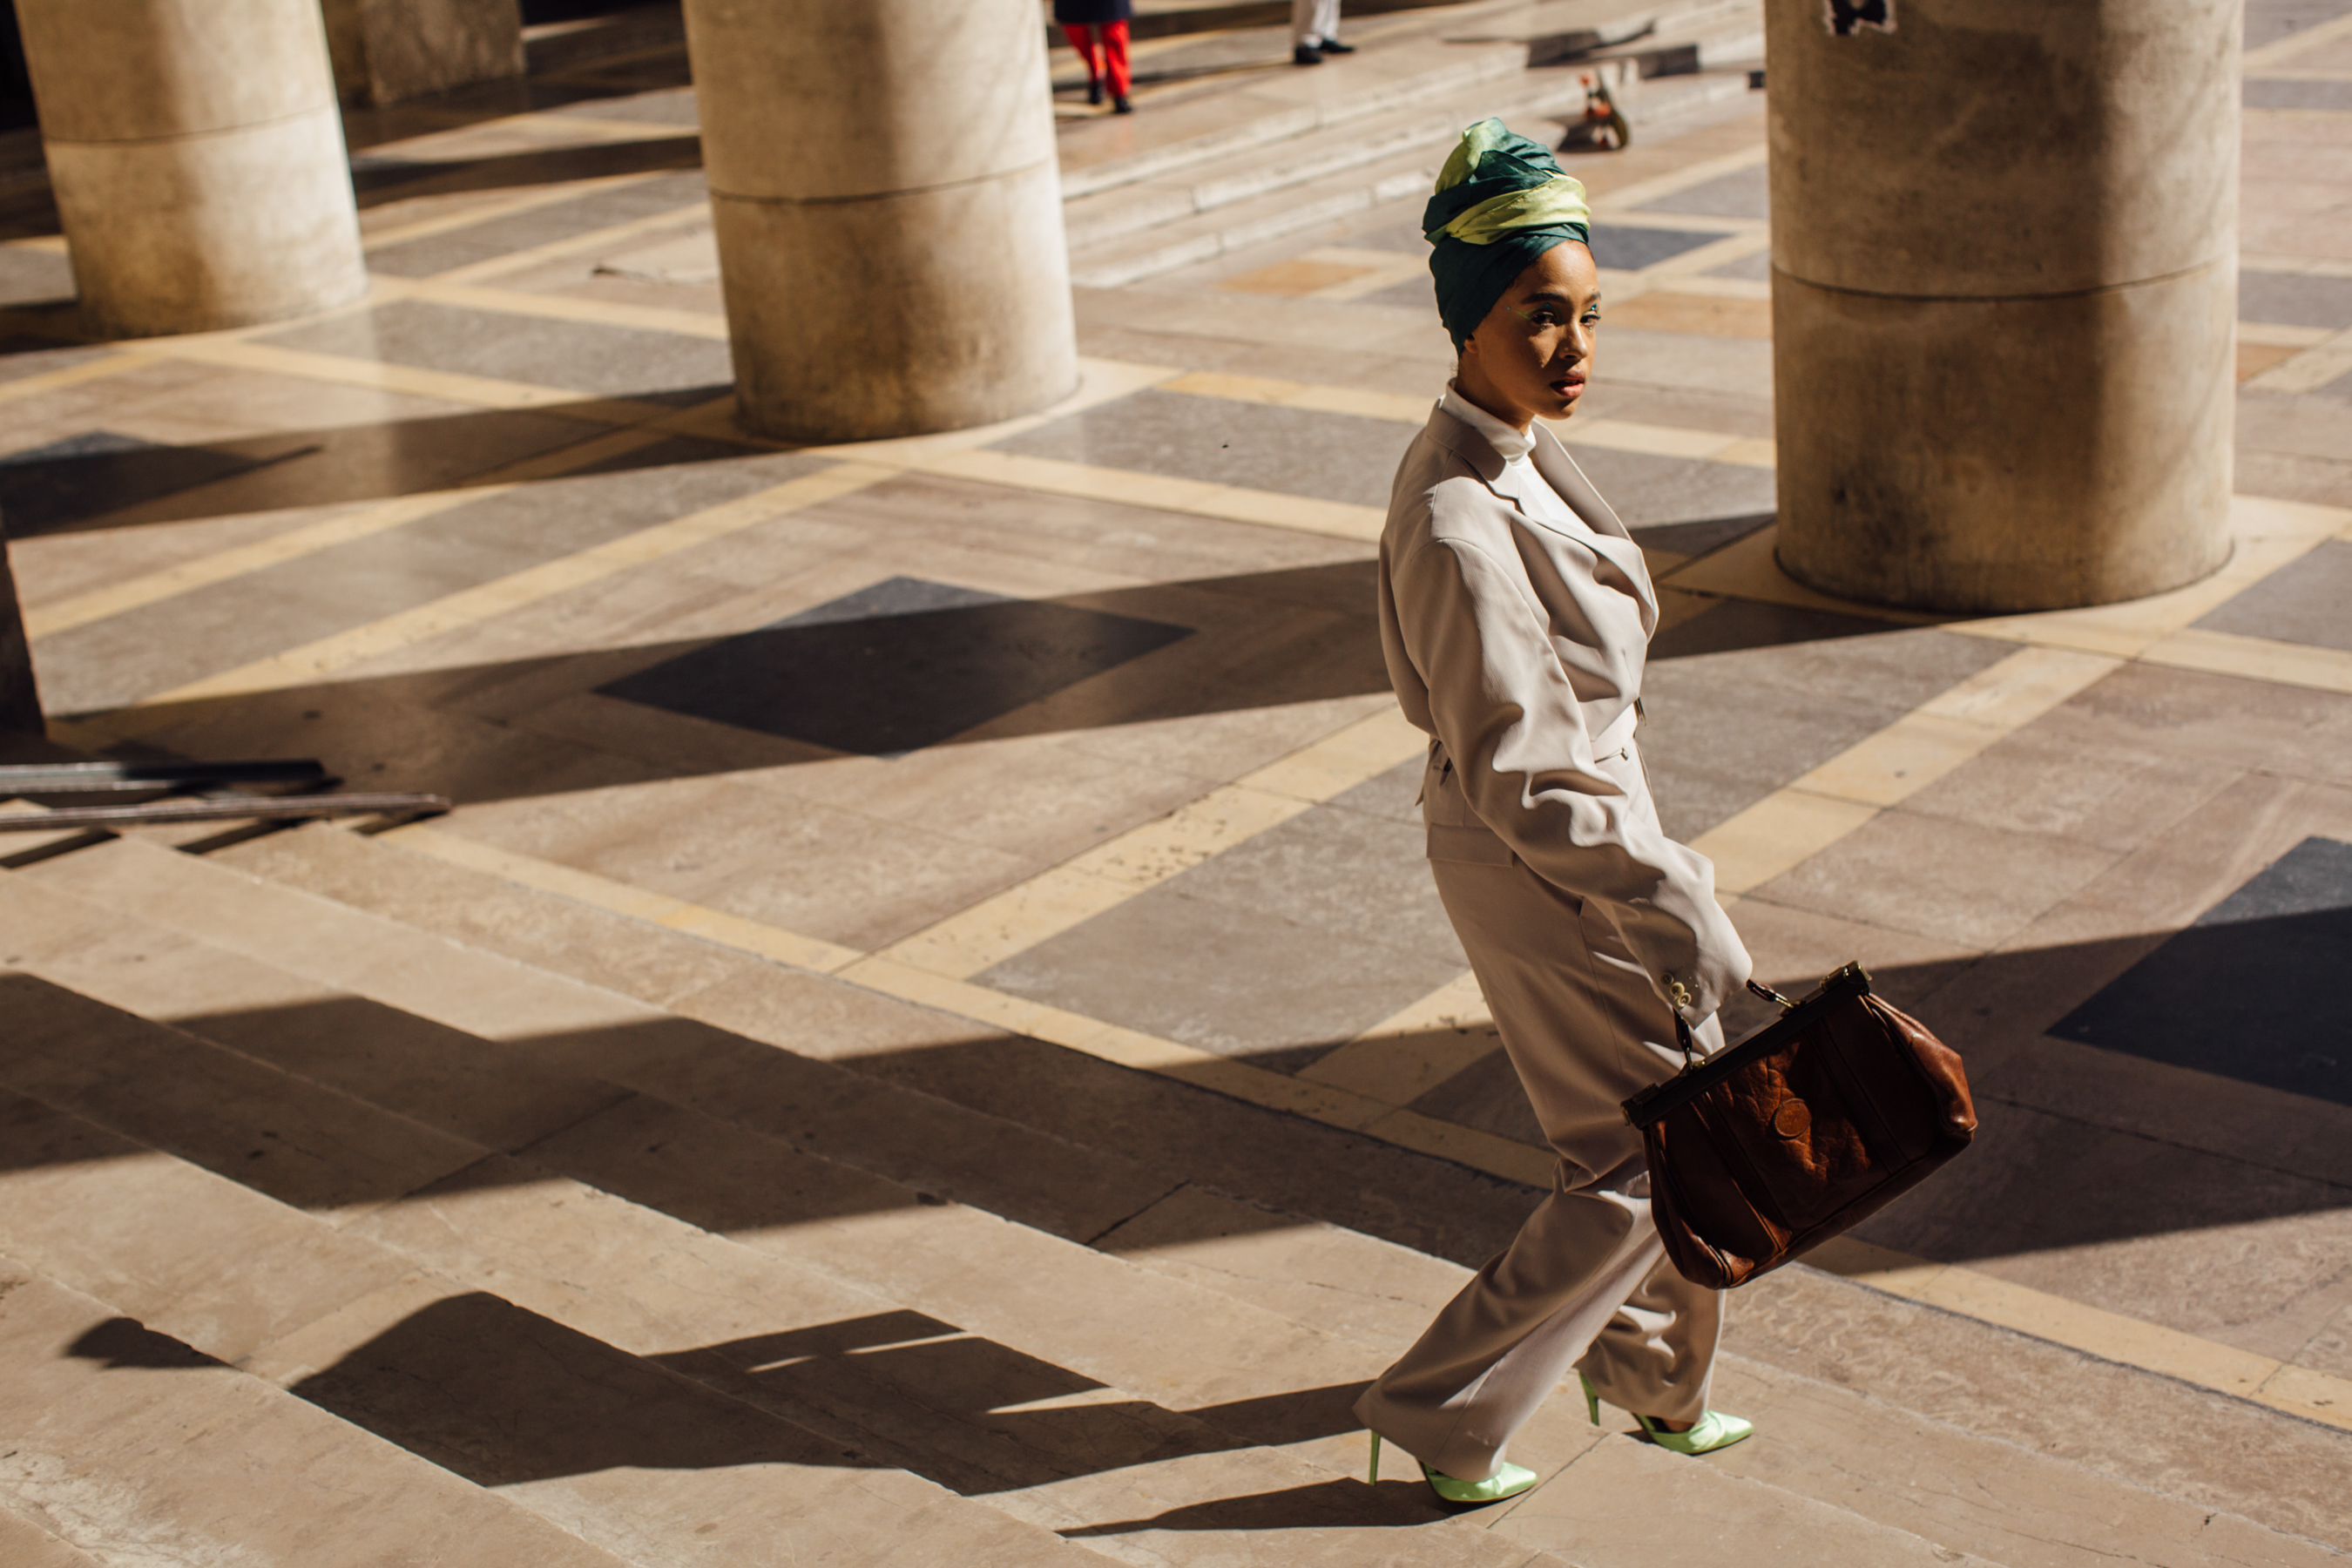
(132, 1447)
(2039, 781)
(480, 910)
(93, 403)
(58, 566)
(1031, 796)
(1954, 881)
(811, 869)
(1223, 745)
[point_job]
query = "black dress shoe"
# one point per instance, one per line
(1334, 46)
(1307, 55)
(1119, 104)
(1093, 92)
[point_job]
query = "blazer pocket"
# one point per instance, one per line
(1469, 845)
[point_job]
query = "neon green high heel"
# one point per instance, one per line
(1712, 1431)
(1507, 1481)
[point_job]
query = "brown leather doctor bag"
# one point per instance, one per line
(1800, 1132)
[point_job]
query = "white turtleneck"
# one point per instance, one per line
(1521, 480)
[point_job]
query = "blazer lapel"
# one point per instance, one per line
(1612, 539)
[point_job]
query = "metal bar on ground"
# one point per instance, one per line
(89, 778)
(233, 809)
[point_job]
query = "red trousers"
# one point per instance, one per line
(1103, 46)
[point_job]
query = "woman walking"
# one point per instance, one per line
(1098, 30)
(1514, 616)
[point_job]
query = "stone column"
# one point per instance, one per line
(388, 51)
(2004, 295)
(197, 157)
(888, 212)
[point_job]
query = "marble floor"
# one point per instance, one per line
(1049, 765)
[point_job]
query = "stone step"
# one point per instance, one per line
(2033, 1471)
(1171, 1131)
(1406, 64)
(1323, 157)
(630, 1451)
(122, 1445)
(1143, 231)
(1397, 1287)
(1263, 1383)
(573, 1047)
(508, 1266)
(1366, 1249)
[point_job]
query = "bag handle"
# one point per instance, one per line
(1690, 1047)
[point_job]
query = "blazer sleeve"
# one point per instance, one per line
(1502, 704)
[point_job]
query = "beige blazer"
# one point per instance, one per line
(1519, 645)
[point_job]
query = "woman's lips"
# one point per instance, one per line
(1569, 385)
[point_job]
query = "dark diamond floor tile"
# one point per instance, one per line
(2309, 601)
(2285, 92)
(1755, 266)
(2252, 991)
(1629, 249)
(2295, 299)
(1743, 193)
(894, 668)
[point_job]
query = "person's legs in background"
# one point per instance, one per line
(1114, 45)
(1315, 31)
(1082, 38)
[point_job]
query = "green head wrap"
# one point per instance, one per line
(1501, 202)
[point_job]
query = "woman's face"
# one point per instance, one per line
(1529, 358)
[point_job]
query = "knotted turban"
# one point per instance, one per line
(1501, 201)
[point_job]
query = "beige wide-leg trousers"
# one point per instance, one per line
(1585, 1283)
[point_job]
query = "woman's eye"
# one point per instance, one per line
(1547, 319)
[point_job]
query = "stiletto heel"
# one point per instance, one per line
(1507, 1481)
(1714, 1430)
